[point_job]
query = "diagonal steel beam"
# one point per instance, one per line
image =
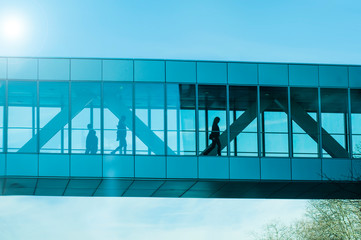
(240, 124)
(56, 124)
(153, 142)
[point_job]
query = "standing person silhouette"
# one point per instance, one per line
(214, 136)
(91, 141)
(121, 135)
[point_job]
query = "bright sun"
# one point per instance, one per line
(13, 28)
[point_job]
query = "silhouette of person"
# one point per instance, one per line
(214, 136)
(121, 135)
(91, 141)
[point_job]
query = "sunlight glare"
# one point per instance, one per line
(13, 28)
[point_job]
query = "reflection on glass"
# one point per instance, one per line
(22, 117)
(243, 121)
(181, 112)
(149, 118)
(54, 117)
(85, 114)
(274, 122)
(118, 118)
(212, 103)
(356, 122)
(304, 112)
(334, 122)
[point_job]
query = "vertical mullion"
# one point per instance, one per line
(6, 112)
(102, 113)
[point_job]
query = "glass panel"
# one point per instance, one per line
(274, 74)
(22, 128)
(303, 75)
(354, 76)
(22, 68)
(149, 118)
(304, 112)
(54, 117)
(2, 68)
(212, 120)
(356, 122)
(181, 114)
(333, 76)
(118, 118)
(242, 73)
(85, 114)
(181, 71)
(211, 72)
(85, 69)
(54, 69)
(118, 70)
(274, 122)
(334, 122)
(243, 120)
(2, 105)
(150, 71)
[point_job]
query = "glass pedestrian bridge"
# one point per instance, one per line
(136, 127)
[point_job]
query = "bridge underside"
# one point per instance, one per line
(180, 188)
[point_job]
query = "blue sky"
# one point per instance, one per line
(323, 31)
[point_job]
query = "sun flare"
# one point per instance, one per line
(13, 28)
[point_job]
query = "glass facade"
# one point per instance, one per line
(173, 108)
(177, 128)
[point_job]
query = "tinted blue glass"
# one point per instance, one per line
(150, 166)
(355, 95)
(334, 109)
(210, 72)
(84, 69)
(306, 169)
(117, 70)
(243, 121)
(304, 112)
(276, 168)
(2, 105)
(273, 74)
(22, 123)
(85, 114)
(54, 165)
(3, 67)
(354, 76)
(54, 69)
(118, 166)
(22, 68)
(182, 167)
(333, 76)
(2, 164)
(182, 72)
(245, 168)
(149, 71)
(212, 103)
(242, 73)
(149, 119)
(274, 121)
(336, 169)
(118, 118)
(214, 167)
(54, 117)
(22, 164)
(181, 114)
(303, 75)
(85, 166)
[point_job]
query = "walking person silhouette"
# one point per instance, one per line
(91, 141)
(121, 135)
(214, 136)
